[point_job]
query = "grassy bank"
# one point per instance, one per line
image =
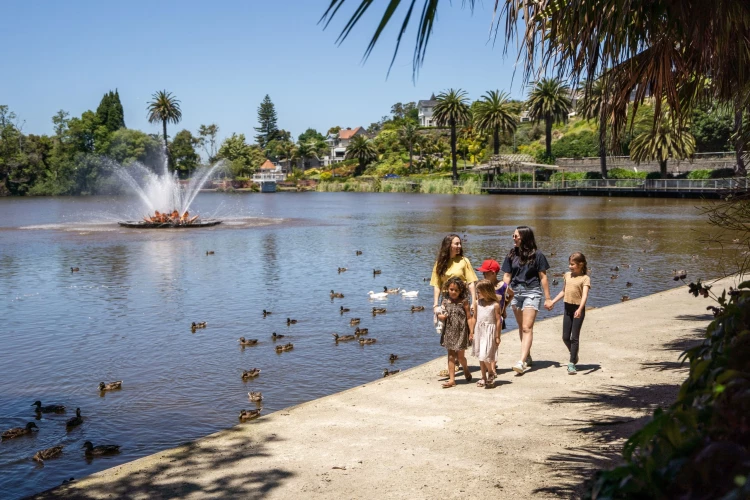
(426, 186)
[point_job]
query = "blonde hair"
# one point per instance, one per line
(579, 258)
(486, 291)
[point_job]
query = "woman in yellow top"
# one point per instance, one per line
(451, 262)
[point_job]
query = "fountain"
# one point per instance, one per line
(166, 199)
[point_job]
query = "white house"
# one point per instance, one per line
(425, 109)
(339, 142)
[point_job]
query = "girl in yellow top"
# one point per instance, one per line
(451, 262)
(575, 293)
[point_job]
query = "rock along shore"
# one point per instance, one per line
(404, 436)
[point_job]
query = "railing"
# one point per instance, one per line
(269, 177)
(625, 184)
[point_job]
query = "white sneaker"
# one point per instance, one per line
(520, 368)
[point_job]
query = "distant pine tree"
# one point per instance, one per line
(110, 112)
(267, 129)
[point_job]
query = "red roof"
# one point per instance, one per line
(267, 165)
(348, 133)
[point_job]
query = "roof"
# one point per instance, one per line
(267, 165)
(429, 103)
(348, 133)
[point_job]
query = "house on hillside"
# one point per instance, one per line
(339, 142)
(424, 111)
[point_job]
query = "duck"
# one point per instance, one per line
(412, 293)
(616, 268)
(361, 331)
(555, 282)
(377, 271)
(266, 313)
(392, 358)
(391, 290)
(275, 336)
(255, 397)
(42, 455)
(279, 349)
(626, 266)
(102, 449)
(736, 240)
(627, 237)
(640, 269)
(679, 275)
(75, 421)
(367, 341)
(354, 321)
(246, 374)
(244, 341)
(336, 295)
(288, 347)
(417, 308)
(48, 408)
(387, 373)
(343, 310)
(249, 414)
(19, 431)
(74, 269)
(112, 386)
(342, 270)
(624, 298)
(358, 252)
(592, 237)
(342, 338)
(379, 310)
(201, 324)
(380, 295)
(290, 321)
(614, 277)
(209, 252)
(628, 284)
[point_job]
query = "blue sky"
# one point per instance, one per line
(220, 58)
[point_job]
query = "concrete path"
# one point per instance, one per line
(538, 435)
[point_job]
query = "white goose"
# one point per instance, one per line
(413, 293)
(379, 295)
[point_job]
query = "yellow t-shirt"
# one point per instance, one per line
(574, 287)
(459, 266)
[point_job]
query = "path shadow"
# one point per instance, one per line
(644, 398)
(193, 469)
(541, 365)
(588, 369)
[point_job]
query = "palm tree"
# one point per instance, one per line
(408, 135)
(592, 107)
(452, 110)
(549, 100)
(668, 137)
(494, 114)
(306, 150)
(361, 148)
(164, 107)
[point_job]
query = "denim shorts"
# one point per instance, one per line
(527, 297)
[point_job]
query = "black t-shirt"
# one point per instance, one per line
(527, 274)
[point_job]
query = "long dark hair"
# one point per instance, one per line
(462, 289)
(444, 254)
(526, 250)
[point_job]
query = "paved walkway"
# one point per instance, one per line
(535, 435)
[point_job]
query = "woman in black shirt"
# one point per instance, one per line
(525, 271)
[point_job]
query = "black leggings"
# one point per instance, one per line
(572, 329)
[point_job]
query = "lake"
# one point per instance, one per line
(126, 314)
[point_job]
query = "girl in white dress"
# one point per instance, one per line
(486, 339)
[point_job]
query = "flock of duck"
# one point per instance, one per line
(90, 451)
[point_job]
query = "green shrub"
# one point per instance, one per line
(621, 173)
(543, 157)
(722, 173)
(584, 143)
(699, 174)
(436, 186)
(471, 186)
(653, 175)
(699, 447)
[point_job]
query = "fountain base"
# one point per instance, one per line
(168, 225)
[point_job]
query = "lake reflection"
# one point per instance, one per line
(126, 314)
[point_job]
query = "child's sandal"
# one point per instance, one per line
(480, 383)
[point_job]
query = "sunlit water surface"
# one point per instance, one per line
(126, 314)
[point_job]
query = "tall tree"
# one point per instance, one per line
(110, 112)
(183, 151)
(592, 106)
(495, 114)
(452, 110)
(310, 135)
(164, 107)
(668, 137)
(362, 149)
(266, 128)
(244, 159)
(207, 140)
(549, 101)
(408, 134)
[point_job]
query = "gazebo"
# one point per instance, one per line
(511, 162)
